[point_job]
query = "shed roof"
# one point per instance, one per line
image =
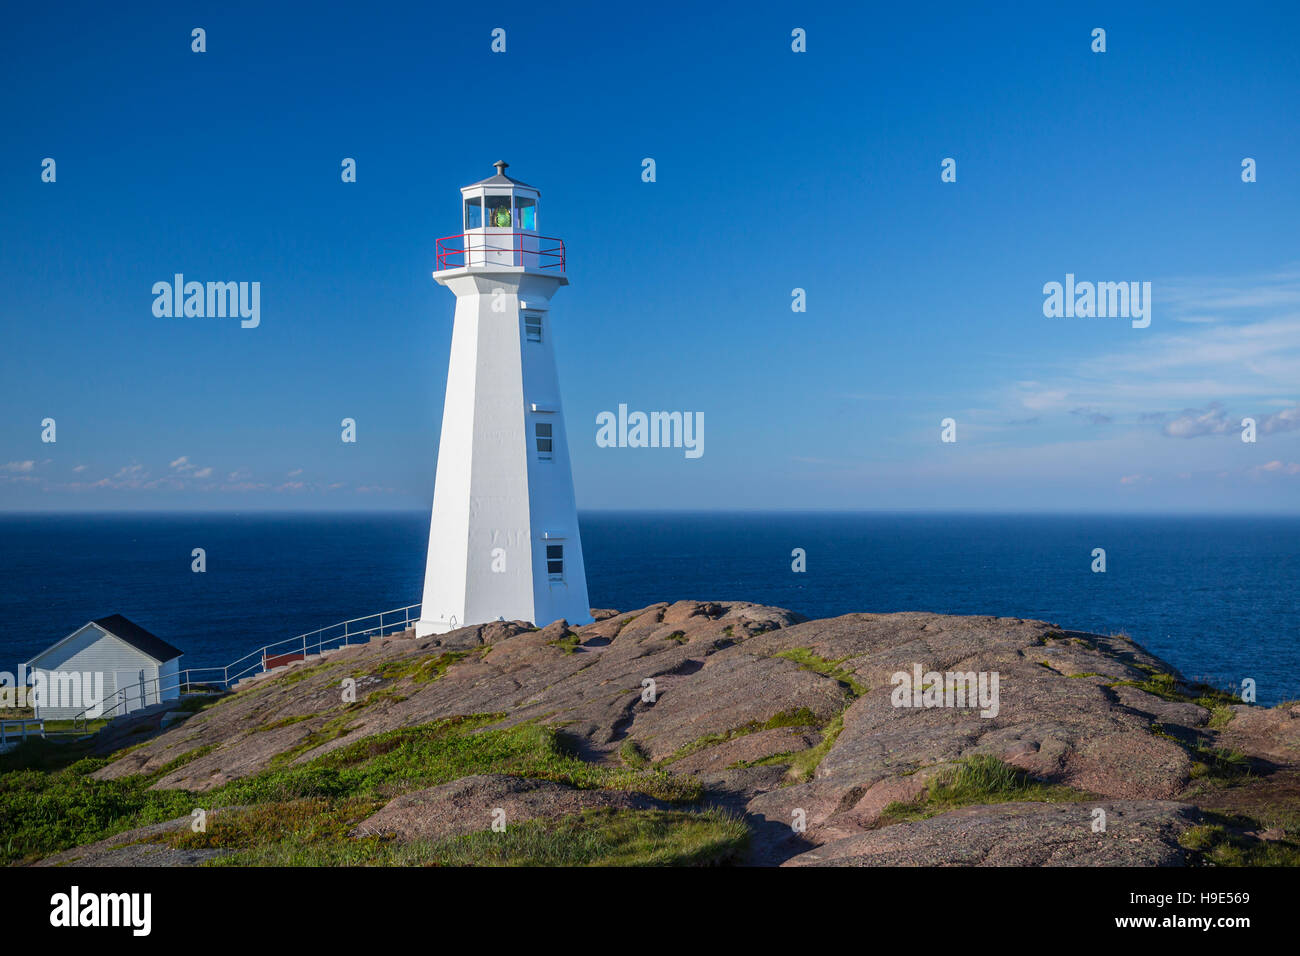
(138, 637)
(127, 631)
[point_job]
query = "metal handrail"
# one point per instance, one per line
(257, 660)
(549, 258)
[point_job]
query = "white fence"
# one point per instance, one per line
(264, 658)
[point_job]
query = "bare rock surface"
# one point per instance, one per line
(1138, 833)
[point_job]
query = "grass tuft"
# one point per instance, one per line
(976, 780)
(1228, 841)
(799, 717)
(806, 659)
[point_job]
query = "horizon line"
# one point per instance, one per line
(990, 512)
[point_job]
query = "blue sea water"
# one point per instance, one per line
(1215, 597)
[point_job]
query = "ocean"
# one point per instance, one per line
(1214, 596)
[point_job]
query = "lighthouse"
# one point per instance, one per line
(503, 539)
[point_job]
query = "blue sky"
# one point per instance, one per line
(775, 170)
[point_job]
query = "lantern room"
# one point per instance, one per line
(500, 203)
(499, 218)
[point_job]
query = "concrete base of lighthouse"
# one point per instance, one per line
(503, 537)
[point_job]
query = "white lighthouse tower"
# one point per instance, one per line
(503, 540)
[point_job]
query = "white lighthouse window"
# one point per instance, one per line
(526, 208)
(474, 213)
(555, 562)
(542, 432)
(498, 211)
(533, 326)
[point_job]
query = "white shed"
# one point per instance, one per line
(111, 662)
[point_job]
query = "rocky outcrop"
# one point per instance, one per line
(781, 719)
(1138, 833)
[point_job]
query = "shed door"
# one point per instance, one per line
(129, 692)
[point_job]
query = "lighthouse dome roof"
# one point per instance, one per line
(500, 179)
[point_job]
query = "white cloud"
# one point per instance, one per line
(1284, 421)
(1195, 422)
(1238, 356)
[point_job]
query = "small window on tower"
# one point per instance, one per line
(474, 213)
(526, 210)
(555, 562)
(542, 430)
(533, 326)
(498, 211)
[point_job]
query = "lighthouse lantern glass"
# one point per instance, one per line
(474, 213)
(526, 207)
(498, 211)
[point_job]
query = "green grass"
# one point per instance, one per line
(195, 703)
(806, 659)
(594, 838)
(332, 729)
(569, 643)
(300, 673)
(422, 670)
(43, 811)
(803, 765)
(75, 726)
(1219, 763)
(284, 722)
(799, 717)
(633, 755)
(444, 750)
(783, 759)
(188, 757)
(282, 829)
(1168, 687)
(1220, 716)
(976, 780)
(128, 749)
(1221, 842)
(600, 838)
(48, 801)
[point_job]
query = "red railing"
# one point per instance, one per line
(500, 249)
